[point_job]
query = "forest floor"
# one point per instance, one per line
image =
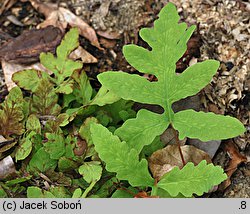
(222, 33)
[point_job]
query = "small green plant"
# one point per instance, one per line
(47, 131)
(121, 151)
(70, 141)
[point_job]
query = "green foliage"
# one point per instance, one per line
(61, 65)
(126, 164)
(11, 114)
(125, 193)
(194, 124)
(33, 124)
(41, 161)
(25, 147)
(36, 192)
(48, 139)
(56, 133)
(192, 179)
(142, 130)
(55, 146)
(168, 40)
(29, 79)
(91, 171)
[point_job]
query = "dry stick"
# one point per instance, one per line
(179, 146)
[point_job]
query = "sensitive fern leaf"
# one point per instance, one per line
(194, 124)
(168, 41)
(142, 130)
(120, 158)
(192, 179)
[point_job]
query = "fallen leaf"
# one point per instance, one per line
(60, 17)
(107, 43)
(7, 167)
(82, 54)
(109, 35)
(6, 144)
(6, 5)
(164, 160)
(84, 29)
(26, 51)
(236, 158)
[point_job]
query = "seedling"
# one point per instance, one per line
(120, 151)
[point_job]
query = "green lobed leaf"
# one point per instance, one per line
(120, 111)
(84, 131)
(33, 124)
(206, 126)
(66, 87)
(103, 97)
(143, 129)
(60, 192)
(41, 161)
(120, 158)
(36, 192)
(91, 171)
(168, 40)
(192, 179)
(61, 66)
(55, 146)
(44, 100)
(83, 91)
(29, 79)
(77, 193)
(11, 113)
(25, 148)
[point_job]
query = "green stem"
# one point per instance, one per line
(154, 189)
(86, 192)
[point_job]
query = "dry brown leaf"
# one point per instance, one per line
(7, 4)
(82, 54)
(109, 35)
(163, 160)
(60, 17)
(107, 43)
(7, 167)
(26, 51)
(236, 158)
